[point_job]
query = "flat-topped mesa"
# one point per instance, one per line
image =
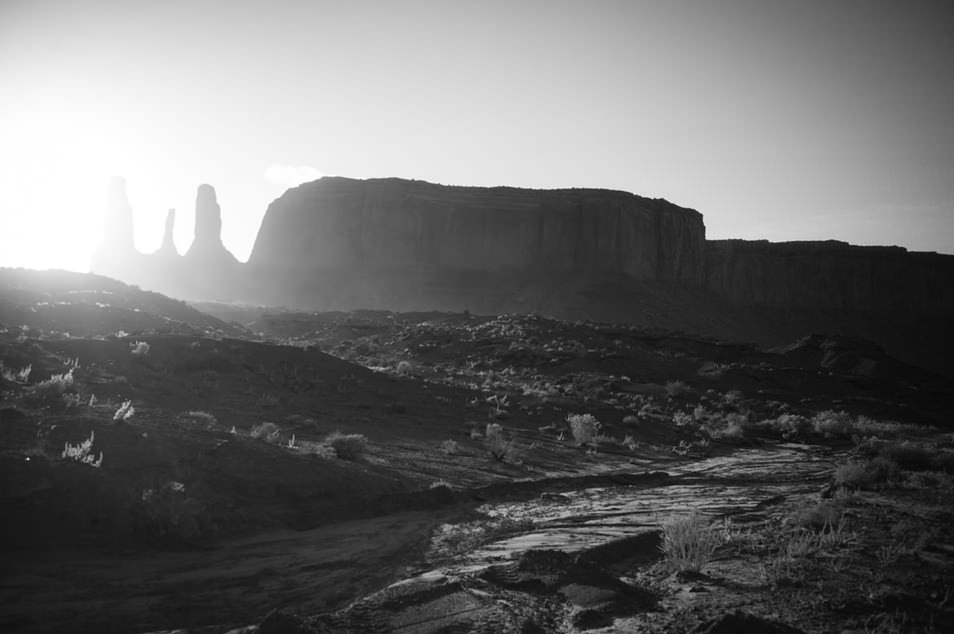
(392, 226)
(830, 275)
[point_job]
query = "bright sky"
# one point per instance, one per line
(776, 119)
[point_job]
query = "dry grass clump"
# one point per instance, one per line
(689, 542)
(348, 446)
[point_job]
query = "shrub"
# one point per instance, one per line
(450, 447)
(790, 426)
(54, 386)
(584, 427)
(732, 427)
(688, 542)
(125, 411)
(81, 452)
(866, 475)
(675, 389)
(139, 349)
(269, 432)
(348, 446)
(499, 448)
(832, 424)
(168, 515)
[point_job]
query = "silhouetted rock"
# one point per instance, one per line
(348, 243)
(168, 247)
(117, 250)
(830, 275)
(209, 270)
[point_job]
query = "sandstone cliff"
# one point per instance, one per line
(830, 275)
(379, 232)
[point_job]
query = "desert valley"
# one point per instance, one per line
(426, 409)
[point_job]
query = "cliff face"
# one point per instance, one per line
(830, 276)
(391, 225)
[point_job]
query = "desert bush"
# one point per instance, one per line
(53, 387)
(867, 474)
(139, 349)
(832, 424)
(789, 426)
(450, 447)
(682, 419)
(731, 427)
(500, 448)
(312, 448)
(584, 427)
(688, 542)
(269, 432)
(675, 389)
(168, 515)
(347, 446)
(71, 400)
(125, 411)
(20, 376)
(80, 452)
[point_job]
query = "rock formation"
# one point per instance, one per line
(207, 270)
(168, 246)
(340, 243)
(117, 248)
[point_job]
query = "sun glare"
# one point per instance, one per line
(54, 171)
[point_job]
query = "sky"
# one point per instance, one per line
(775, 119)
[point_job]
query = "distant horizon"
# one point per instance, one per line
(776, 120)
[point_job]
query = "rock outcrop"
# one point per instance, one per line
(117, 248)
(168, 246)
(206, 271)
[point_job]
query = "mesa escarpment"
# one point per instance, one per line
(409, 245)
(341, 244)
